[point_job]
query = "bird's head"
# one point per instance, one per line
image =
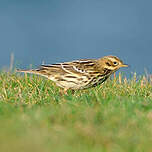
(112, 63)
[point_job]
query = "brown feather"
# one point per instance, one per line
(79, 74)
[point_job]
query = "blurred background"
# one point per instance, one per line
(50, 31)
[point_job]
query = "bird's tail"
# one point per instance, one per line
(33, 71)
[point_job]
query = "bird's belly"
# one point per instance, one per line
(71, 85)
(77, 82)
(74, 82)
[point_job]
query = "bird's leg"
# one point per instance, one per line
(73, 92)
(65, 91)
(100, 86)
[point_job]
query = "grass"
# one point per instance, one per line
(34, 116)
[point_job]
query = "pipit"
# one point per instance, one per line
(79, 74)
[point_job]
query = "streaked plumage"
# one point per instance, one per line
(79, 74)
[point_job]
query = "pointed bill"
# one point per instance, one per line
(124, 65)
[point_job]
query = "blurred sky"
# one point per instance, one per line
(64, 30)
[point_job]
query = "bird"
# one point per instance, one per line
(79, 74)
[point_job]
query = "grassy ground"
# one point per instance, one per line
(34, 116)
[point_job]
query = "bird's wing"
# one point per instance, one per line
(79, 67)
(83, 67)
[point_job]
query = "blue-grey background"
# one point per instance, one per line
(64, 30)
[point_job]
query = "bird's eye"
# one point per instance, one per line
(115, 63)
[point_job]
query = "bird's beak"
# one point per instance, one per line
(124, 65)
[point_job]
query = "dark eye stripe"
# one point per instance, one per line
(108, 63)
